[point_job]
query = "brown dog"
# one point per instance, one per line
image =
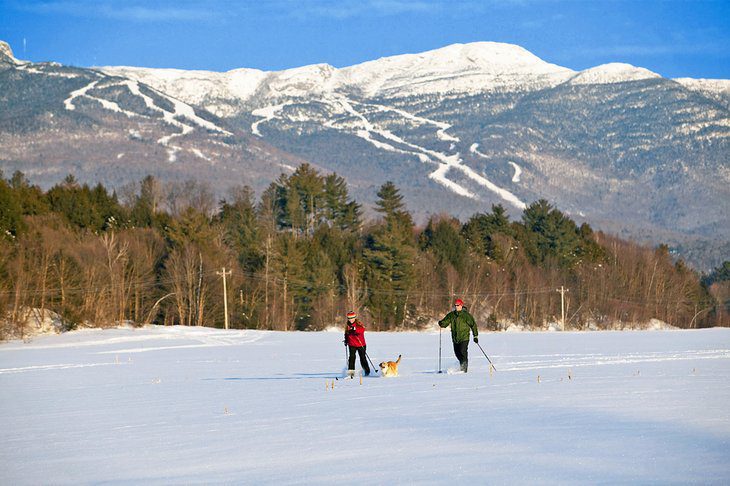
(390, 368)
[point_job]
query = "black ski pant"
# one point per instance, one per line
(461, 350)
(363, 359)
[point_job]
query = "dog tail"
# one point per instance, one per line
(398, 360)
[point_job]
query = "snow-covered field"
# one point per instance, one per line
(193, 405)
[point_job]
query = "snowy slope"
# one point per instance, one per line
(190, 405)
(460, 68)
(612, 73)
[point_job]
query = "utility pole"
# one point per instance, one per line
(225, 294)
(562, 291)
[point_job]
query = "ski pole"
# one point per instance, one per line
(440, 329)
(366, 355)
(485, 355)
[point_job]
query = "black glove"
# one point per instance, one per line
(476, 339)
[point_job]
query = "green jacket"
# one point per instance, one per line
(460, 323)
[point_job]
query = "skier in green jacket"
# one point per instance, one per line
(461, 322)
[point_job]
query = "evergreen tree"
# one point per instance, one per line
(479, 231)
(241, 230)
(144, 212)
(719, 274)
(442, 237)
(191, 226)
(338, 210)
(551, 235)
(76, 204)
(389, 257)
(30, 197)
(319, 279)
(306, 191)
(11, 212)
(289, 274)
(390, 204)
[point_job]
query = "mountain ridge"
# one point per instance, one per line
(463, 127)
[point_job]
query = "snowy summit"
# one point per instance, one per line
(459, 68)
(615, 72)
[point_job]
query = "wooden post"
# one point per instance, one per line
(562, 291)
(225, 294)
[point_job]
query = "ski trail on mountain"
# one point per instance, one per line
(424, 154)
(383, 139)
(503, 193)
(268, 113)
(181, 110)
(517, 168)
(518, 172)
(169, 117)
(448, 162)
(68, 102)
(442, 126)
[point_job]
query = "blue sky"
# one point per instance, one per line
(675, 38)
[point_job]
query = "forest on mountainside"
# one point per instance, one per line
(301, 255)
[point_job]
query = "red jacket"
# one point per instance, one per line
(355, 334)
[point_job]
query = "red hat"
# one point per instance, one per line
(459, 302)
(351, 315)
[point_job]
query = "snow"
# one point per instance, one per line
(712, 86)
(267, 113)
(69, 102)
(218, 92)
(518, 172)
(459, 68)
(171, 405)
(615, 72)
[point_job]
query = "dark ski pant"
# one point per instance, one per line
(461, 350)
(363, 359)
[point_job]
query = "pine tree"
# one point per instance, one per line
(144, 212)
(11, 212)
(551, 235)
(481, 229)
(289, 276)
(389, 257)
(30, 197)
(442, 237)
(338, 210)
(390, 204)
(241, 229)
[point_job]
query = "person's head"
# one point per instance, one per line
(459, 304)
(351, 316)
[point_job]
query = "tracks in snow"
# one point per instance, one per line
(583, 360)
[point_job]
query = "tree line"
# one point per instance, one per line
(302, 254)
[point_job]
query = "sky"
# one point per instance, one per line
(675, 38)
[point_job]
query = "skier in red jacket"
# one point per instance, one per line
(355, 341)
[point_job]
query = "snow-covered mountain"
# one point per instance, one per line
(56, 120)
(456, 69)
(463, 127)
